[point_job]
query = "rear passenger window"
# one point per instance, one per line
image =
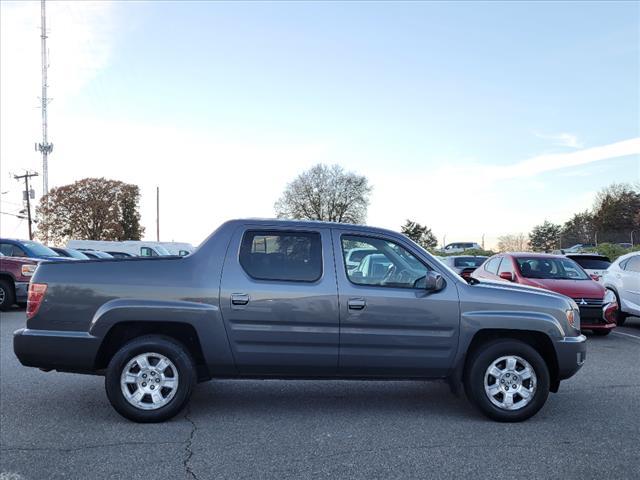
(278, 255)
(492, 265)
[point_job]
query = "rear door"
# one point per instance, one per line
(631, 280)
(388, 326)
(279, 301)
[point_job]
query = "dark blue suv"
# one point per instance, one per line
(27, 248)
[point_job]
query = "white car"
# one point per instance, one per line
(623, 279)
(594, 264)
(460, 247)
(354, 256)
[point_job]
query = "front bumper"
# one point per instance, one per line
(66, 351)
(571, 353)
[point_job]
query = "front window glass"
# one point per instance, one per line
(551, 268)
(40, 250)
(387, 264)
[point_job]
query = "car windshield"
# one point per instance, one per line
(468, 261)
(551, 268)
(76, 254)
(161, 250)
(40, 250)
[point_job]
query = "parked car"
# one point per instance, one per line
(70, 253)
(622, 278)
(15, 273)
(463, 265)
(273, 298)
(27, 248)
(461, 247)
(593, 264)
(559, 274)
(355, 255)
(95, 254)
(578, 248)
(120, 254)
(133, 247)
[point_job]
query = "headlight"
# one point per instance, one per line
(609, 297)
(573, 317)
(28, 270)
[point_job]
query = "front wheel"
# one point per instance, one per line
(507, 380)
(150, 379)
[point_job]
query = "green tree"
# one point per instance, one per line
(615, 212)
(545, 237)
(578, 229)
(326, 193)
(420, 234)
(90, 209)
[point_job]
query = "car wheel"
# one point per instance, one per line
(507, 379)
(150, 379)
(601, 333)
(621, 317)
(7, 296)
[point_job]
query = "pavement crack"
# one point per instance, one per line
(189, 447)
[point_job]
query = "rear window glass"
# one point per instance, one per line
(277, 255)
(468, 261)
(592, 263)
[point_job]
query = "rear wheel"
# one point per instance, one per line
(7, 295)
(150, 379)
(507, 380)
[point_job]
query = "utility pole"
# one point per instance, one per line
(45, 147)
(157, 214)
(27, 196)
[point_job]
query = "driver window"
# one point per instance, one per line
(384, 264)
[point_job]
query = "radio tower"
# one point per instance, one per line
(45, 147)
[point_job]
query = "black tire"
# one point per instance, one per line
(7, 295)
(477, 366)
(621, 317)
(601, 333)
(162, 345)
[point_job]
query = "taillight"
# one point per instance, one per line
(610, 312)
(35, 297)
(28, 270)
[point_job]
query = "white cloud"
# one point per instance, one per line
(562, 139)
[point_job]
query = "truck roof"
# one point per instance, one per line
(276, 222)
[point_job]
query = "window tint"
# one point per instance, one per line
(506, 266)
(633, 264)
(6, 249)
(492, 265)
(278, 255)
(386, 265)
(11, 250)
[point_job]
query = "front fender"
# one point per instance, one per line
(205, 319)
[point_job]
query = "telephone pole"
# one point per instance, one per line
(157, 214)
(27, 196)
(45, 147)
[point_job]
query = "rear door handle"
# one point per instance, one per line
(356, 303)
(239, 298)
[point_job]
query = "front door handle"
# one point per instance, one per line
(356, 303)
(239, 298)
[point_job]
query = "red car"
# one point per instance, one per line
(559, 274)
(15, 274)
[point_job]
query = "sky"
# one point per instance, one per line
(476, 119)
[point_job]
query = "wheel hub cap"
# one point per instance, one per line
(149, 381)
(510, 382)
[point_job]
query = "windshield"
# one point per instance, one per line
(76, 254)
(551, 268)
(40, 250)
(468, 261)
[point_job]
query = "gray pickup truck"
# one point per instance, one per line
(275, 299)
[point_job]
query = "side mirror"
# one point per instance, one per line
(506, 276)
(432, 282)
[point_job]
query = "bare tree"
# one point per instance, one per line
(326, 193)
(513, 242)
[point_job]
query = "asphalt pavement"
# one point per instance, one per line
(56, 425)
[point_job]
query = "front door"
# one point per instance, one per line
(279, 301)
(389, 325)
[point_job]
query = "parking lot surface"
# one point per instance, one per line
(55, 425)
